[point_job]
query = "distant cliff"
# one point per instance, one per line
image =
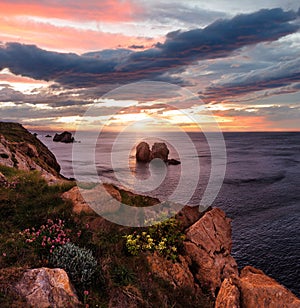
(22, 150)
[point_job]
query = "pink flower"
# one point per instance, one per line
(86, 292)
(4, 254)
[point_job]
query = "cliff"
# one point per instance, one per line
(204, 266)
(202, 274)
(22, 150)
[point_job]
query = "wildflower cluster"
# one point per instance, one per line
(165, 237)
(48, 236)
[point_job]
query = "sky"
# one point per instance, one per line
(68, 64)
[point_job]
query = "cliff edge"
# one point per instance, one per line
(22, 150)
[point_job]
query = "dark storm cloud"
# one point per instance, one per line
(217, 40)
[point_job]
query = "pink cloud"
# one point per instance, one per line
(104, 10)
(65, 38)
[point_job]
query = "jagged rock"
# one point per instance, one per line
(45, 287)
(208, 247)
(160, 150)
(177, 274)
(259, 290)
(65, 137)
(228, 296)
(188, 215)
(143, 152)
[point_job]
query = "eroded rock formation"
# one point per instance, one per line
(65, 137)
(159, 150)
(143, 152)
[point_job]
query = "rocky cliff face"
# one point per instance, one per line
(207, 260)
(206, 266)
(22, 150)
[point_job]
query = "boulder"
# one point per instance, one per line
(104, 198)
(208, 247)
(65, 137)
(228, 296)
(45, 287)
(259, 290)
(160, 150)
(143, 152)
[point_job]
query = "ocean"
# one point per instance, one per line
(260, 191)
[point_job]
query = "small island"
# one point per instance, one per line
(65, 137)
(159, 150)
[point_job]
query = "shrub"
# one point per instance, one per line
(165, 237)
(78, 262)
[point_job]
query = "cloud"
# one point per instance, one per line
(180, 48)
(166, 12)
(55, 36)
(279, 75)
(104, 10)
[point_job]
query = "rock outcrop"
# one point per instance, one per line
(22, 150)
(206, 261)
(143, 152)
(208, 247)
(177, 274)
(254, 289)
(260, 290)
(228, 296)
(65, 137)
(45, 287)
(160, 150)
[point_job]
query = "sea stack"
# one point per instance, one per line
(159, 150)
(65, 137)
(143, 152)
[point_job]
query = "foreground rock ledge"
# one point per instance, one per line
(45, 287)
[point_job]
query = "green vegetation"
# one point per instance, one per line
(122, 275)
(165, 237)
(78, 262)
(36, 225)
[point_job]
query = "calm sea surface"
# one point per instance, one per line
(260, 192)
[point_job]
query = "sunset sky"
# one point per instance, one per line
(240, 59)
